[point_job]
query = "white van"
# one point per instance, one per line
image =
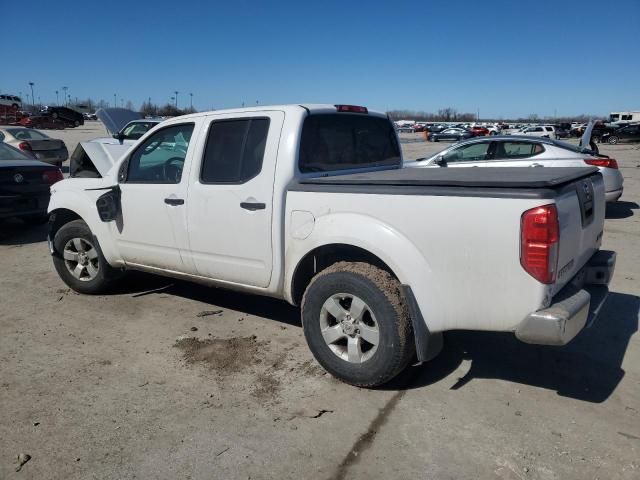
(620, 117)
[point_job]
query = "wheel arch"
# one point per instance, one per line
(60, 217)
(323, 257)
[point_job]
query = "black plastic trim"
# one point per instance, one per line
(484, 192)
(428, 345)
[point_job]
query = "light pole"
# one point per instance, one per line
(176, 92)
(57, 98)
(191, 102)
(122, 102)
(115, 101)
(33, 100)
(64, 95)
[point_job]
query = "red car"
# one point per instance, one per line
(43, 122)
(479, 131)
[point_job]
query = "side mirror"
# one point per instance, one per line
(440, 160)
(119, 136)
(108, 204)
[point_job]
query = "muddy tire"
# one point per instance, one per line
(79, 260)
(357, 324)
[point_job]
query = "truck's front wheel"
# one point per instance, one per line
(357, 324)
(79, 261)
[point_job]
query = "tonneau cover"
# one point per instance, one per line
(485, 177)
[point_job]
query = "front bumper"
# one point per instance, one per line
(575, 306)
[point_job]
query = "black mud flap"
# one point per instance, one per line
(428, 345)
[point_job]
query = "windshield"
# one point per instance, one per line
(331, 142)
(26, 134)
(9, 153)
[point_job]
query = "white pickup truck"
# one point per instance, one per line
(310, 204)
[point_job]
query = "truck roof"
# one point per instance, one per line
(310, 107)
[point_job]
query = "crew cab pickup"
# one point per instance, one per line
(310, 204)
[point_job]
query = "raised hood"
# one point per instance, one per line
(93, 159)
(114, 119)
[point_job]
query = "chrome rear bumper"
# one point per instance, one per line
(575, 306)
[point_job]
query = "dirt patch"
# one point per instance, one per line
(225, 355)
(266, 387)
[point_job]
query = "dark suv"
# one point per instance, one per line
(69, 116)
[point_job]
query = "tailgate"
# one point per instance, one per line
(581, 211)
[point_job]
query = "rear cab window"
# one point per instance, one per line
(234, 151)
(345, 141)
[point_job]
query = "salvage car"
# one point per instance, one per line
(544, 131)
(44, 122)
(626, 134)
(24, 185)
(36, 144)
(455, 134)
(524, 151)
(125, 127)
(68, 115)
(308, 203)
(479, 131)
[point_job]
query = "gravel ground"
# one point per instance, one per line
(168, 380)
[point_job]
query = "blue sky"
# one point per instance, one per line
(544, 57)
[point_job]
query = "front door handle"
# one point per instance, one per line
(535, 165)
(174, 201)
(253, 206)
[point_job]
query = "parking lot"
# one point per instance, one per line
(166, 379)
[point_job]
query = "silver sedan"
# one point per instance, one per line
(35, 144)
(525, 151)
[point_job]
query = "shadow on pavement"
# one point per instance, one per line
(140, 284)
(620, 209)
(15, 232)
(589, 368)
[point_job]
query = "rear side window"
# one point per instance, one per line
(234, 151)
(515, 150)
(342, 141)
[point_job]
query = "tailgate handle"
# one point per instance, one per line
(253, 206)
(174, 201)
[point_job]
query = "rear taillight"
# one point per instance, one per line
(52, 176)
(539, 240)
(24, 146)
(352, 109)
(602, 162)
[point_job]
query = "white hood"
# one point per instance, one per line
(94, 156)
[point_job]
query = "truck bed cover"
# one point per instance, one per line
(506, 177)
(502, 182)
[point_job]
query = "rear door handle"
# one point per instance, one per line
(253, 206)
(174, 201)
(535, 165)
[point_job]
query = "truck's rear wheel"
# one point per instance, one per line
(357, 324)
(79, 260)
